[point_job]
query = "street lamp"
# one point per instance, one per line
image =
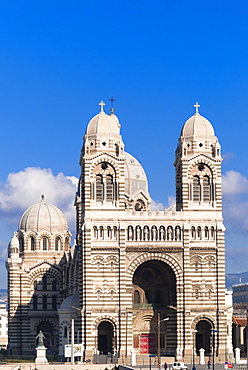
(246, 339)
(194, 333)
(72, 337)
(127, 312)
(159, 321)
(213, 344)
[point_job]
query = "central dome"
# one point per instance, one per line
(43, 216)
(135, 176)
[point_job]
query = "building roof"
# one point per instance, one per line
(103, 123)
(135, 176)
(197, 125)
(239, 321)
(43, 216)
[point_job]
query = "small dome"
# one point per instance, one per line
(71, 303)
(112, 115)
(43, 216)
(14, 242)
(135, 176)
(102, 123)
(197, 125)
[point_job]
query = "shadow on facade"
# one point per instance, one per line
(41, 290)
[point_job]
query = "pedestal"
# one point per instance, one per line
(41, 355)
(202, 361)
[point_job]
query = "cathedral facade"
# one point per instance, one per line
(136, 281)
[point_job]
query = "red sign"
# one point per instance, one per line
(148, 343)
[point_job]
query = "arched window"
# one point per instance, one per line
(115, 232)
(67, 244)
(35, 302)
(139, 205)
(65, 332)
(21, 244)
(109, 232)
(44, 283)
(199, 234)
(136, 297)
(54, 285)
(54, 302)
(109, 188)
(206, 189)
(95, 232)
(57, 244)
(44, 302)
(45, 244)
(101, 232)
(32, 243)
(148, 296)
(206, 232)
(99, 187)
(212, 232)
(193, 232)
(196, 189)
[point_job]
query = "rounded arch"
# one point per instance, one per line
(204, 326)
(48, 328)
(169, 260)
(37, 275)
(107, 160)
(98, 320)
(205, 162)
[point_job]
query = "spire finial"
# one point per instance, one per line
(101, 105)
(196, 107)
(112, 105)
(42, 197)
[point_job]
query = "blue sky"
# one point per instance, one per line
(58, 59)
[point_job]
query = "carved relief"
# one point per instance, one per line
(108, 260)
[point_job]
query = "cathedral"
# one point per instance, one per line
(135, 280)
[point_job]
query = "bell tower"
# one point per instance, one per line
(102, 161)
(198, 166)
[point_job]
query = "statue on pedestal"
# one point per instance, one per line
(40, 338)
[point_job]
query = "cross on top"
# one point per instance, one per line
(101, 105)
(196, 107)
(112, 105)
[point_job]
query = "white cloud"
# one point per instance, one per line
(24, 188)
(235, 202)
(234, 183)
(159, 206)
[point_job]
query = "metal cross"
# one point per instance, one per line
(101, 105)
(196, 107)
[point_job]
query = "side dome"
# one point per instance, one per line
(70, 304)
(135, 177)
(197, 125)
(43, 216)
(102, 123)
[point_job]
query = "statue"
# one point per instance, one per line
(41, 349)
(40, 338)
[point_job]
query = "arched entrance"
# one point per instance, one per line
(203, 336)
(48, 331)
(105, 338)
(154, 289)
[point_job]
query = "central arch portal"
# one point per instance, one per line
(154, 289)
